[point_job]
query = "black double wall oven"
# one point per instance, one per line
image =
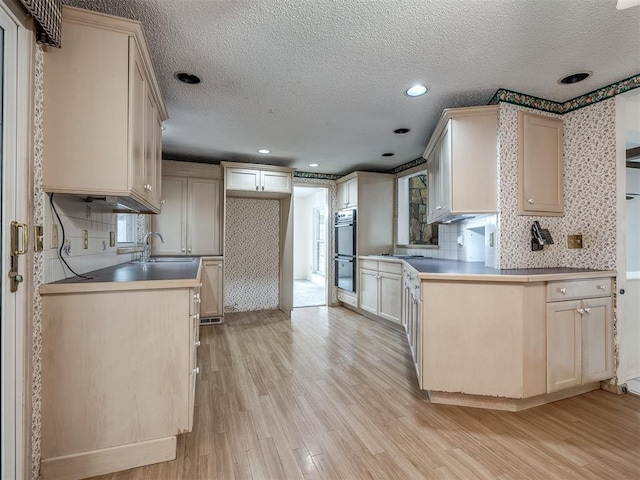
(345, 250)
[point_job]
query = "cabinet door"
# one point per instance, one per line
(389, 296)
(564, 343)
(157, 188)
(211, 291)
(172, 222)
(137, 130)
(352, 192)
(369, 291)
(443, 206)
(203, 217)
(243, 179)
(597, 340)
(275, 181)
(432, 183)
(342, 195)
(540, 165)
(150, 158)
(418, 340)
(194, 327)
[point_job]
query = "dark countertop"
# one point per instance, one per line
(437, 269)
(133, 275)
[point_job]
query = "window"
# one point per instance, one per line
(413, 228)
(127, 228)
(319, 235)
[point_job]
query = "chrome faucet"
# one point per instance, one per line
(146, 253)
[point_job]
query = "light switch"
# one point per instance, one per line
(38, 238)
(112, 239)
(85, 239)
(54, 236)
(574, 241)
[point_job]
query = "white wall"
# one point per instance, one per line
(633, 221)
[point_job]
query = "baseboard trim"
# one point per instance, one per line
(507, 404)
(108, 460)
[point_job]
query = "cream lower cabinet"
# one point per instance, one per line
(579, 341)
(190, 221)
(412, 317)
(381, 289)
(118, 378)
(212, 305)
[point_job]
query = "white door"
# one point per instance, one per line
(628, 233)
(13, 199)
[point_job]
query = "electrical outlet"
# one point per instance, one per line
(85, 239)
(54, 236)
(574, 241)
(112, 239)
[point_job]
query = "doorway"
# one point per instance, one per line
(628, 262)
(14, 84)
(310, 243)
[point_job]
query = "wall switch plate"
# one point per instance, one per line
(112, 239)
(38, 238)
(574, 241)
(85, 239)
(492, 242)
(54, 236)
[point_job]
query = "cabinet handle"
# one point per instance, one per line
(263, 188)
(198, 343)
(256, 187)
(587, 310)
(196, 370)
(162, 202)
(438, 208)
(563, 290)
(151, 188)
(530, 201)
(182, 250)
(188, 250)
(219, 265)
(196, 297)
(581, 311)
(602, 287)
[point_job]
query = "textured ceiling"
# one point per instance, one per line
(322, 81)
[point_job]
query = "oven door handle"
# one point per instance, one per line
(341, 225)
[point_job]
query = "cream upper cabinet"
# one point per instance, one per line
(191, 218)
(348, 193)
(579, 333)
(462, 161)
(103, 105)
(211, 305)
(540, 165)
(259, 182)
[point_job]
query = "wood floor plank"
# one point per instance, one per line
(329, 394)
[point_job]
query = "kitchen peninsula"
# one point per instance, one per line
(119, 366)
(506, 339)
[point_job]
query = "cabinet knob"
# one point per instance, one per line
(263, 188)
(182, 250)
(196, 297)
(438, 208)
(151, 188)
(530, 201)
(256, 187)
(563, 290)
(602, 287)
(188, 250)
(198, 343)
(587, 310)
(196, 370)
(162, 202)
(581, 311)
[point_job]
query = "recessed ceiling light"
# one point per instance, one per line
(189, 78)
(416, 90)
(400, 131)
(264, 151)
(388, 154)
(314, 165)
(574, 78)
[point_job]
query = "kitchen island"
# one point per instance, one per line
(506, 339)
(119, 366)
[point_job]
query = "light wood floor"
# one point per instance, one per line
(331, 394)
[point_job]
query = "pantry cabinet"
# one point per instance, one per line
(579, 333)
(540, 165)
(462, 163)
(103, 111)
(190, 222)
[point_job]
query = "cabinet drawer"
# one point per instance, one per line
(369, 264)
(570, 289)
(348, 299)
(390, 267)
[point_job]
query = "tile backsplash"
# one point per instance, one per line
(78, 215)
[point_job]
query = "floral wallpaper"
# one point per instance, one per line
(38, 267)
(589, 192)
(252, 254)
